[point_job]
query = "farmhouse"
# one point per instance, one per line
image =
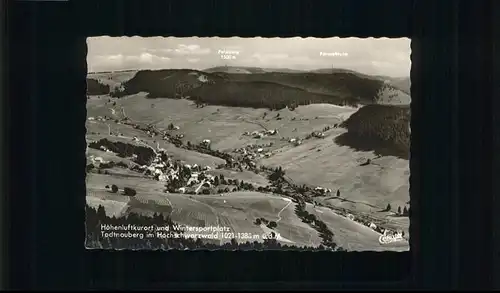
(159, 165)
(192, 181)
(99, 159)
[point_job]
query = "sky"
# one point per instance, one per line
(374, 56)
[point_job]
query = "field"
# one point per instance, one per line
(237, 210)
(365, 189)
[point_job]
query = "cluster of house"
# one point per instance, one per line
(152, 131)
(315, 134)
(261, 134)
(115, 133)
(259, 146)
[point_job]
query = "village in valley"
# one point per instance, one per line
(154, 162)
(193, 179)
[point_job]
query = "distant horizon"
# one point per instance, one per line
(236, 66)
(371, 56)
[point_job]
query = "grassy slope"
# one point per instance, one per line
(401, 83)
(98, 107)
